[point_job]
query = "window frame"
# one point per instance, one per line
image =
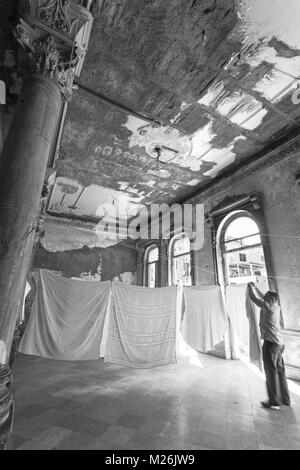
(171, 256)
(147, 263)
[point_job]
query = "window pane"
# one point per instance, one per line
(242, 243)
(151, 274)
(181, 268)
(182, 245)
(241, 272)
(152, 255)
(240, 233)
(241, 227)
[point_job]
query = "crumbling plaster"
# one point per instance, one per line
(90, 263)
(218, 74)
(281, 194)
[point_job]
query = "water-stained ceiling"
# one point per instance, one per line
(215, 76)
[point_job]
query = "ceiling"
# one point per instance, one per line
(207, 82)
(216, 76)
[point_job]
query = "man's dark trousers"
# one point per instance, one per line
(275, 373)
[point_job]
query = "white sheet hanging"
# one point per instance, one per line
(204, 322)
(244, 319)
(236, 310)
(27, 290)
(142, 326)
(67, 318)
(255, 349)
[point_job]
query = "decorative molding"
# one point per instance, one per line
(251, 202)
(54, 35)
(76, 223)
(63, 18)
(55, 15)
(231, 203)
(42, 56)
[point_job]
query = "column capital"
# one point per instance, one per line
(54, 35)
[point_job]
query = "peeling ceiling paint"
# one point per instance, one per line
(263, 19)
(217, 74)
(71, 197)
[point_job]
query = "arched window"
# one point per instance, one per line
(242, 249)
(180, 261)
(151, 266)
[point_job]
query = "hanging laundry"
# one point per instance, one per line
(236, 310)
(205, 322)
(142, 326)
(244, 321)
(253, 313)
(67, 318)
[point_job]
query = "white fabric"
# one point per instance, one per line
(244, 320)
(67, 318)
(204, 323)
(255, 350)
(142, 326)
(26, 292)
(105, 327)
(236, 310)
(179, 313)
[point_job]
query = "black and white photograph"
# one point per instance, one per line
(150, 228)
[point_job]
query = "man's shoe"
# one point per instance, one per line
(286, 403)
(266, 404)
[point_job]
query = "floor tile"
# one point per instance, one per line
(91, 405)
(120, 434)
(82, 424)
(52, 436)
(130, 420)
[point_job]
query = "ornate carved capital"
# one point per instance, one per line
(55, 15)
(54, 35)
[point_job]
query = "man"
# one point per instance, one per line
(270, 325)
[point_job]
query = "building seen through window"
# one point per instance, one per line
(243, 251)
(180, 257)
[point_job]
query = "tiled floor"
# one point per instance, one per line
(201, 402)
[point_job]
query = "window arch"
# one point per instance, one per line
(151, 266)
(180, 260)
(240, 249)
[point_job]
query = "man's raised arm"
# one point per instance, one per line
(255, 294)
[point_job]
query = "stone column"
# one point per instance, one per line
(23, 165)
(54, 36)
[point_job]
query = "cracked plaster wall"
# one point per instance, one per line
(281, 195)
(101, 264)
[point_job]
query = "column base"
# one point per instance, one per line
(6, 406)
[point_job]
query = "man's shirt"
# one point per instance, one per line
(269, 323)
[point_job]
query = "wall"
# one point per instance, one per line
(275, 180)
(103, 264)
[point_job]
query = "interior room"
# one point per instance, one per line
(149, 225)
